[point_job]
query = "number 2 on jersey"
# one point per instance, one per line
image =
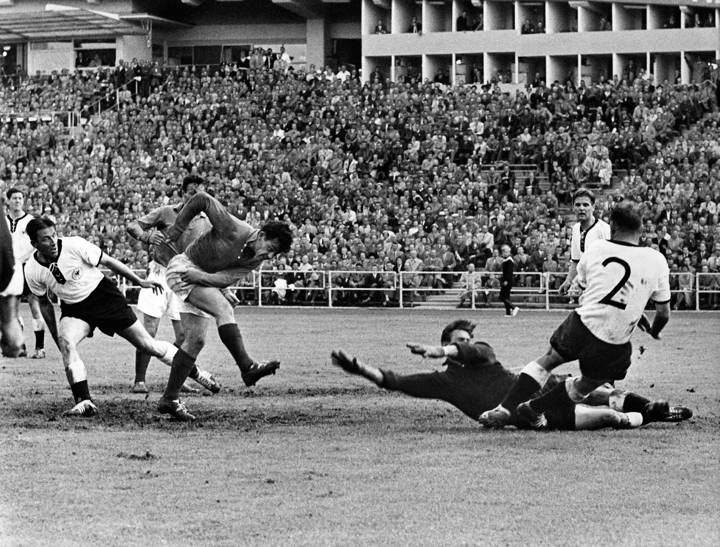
(608, 298)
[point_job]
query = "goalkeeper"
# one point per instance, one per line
(474, 381)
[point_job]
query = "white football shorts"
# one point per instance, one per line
(177, 265)
(156, 305)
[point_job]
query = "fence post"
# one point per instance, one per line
(697, 291)
(400, 290)
(471, 288)
(546, 275)
(259, 288)
(329, 286)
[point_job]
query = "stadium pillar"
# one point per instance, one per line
(317, 42)
(684, 68)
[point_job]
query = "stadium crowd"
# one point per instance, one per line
(381, 177)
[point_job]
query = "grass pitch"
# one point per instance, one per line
(313, 456)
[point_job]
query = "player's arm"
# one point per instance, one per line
(221, 279)
(661, 299)
(662, 317)
(433, 352)
(565, 287)
(140, 229)
(121, 269)
(468, 354)
(202, 202)
(40, 290)
(47, 310)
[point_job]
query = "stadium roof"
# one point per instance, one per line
(62, 25)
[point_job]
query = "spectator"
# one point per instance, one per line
(415, 26)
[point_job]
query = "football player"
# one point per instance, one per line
(475, 381)
(18, 220)
(585, 231)
(200, 277)
(153, 305)
(618, 278)
(70, 268)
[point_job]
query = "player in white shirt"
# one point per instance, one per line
(70, 268)
(585, 231)
(17, 220)
(618, 278)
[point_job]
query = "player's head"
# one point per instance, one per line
(583, 204)
(43, 237)
(192, 184)
(15, 198)
(625, 217)
(460, 330)
(505, 250)
(275, 237)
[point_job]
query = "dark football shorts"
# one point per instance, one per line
(598, 360)
(105, 308)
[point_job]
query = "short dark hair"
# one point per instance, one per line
(584, 193)
(280, 231)
(37, 224)
(191, 179)
(458, 324)
(12, 191)
(626, 216)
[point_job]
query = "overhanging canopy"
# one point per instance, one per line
(62, 25)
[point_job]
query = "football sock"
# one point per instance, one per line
(80, 391)
(557, 397)
(232, 339)
(142, 360)
(635, 403)
(194, 371)
(182, 364)
(40, 339)
(521, 391)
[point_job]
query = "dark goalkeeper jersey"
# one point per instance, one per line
(474, 381)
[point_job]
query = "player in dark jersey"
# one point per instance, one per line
(150, 229)
(201, 277)
(475, 381)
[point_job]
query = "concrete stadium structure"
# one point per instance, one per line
(582, 39)
(503, 40)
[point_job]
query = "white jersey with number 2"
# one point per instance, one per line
(618, 279)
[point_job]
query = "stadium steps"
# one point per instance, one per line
(449, 298)
(435, 300)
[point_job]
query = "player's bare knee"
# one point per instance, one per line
(65, 344)
(151, 324)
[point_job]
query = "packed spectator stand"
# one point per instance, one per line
(384, 180)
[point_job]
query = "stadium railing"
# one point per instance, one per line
(697, 291)
(69, 118)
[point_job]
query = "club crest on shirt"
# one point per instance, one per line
(76, 274)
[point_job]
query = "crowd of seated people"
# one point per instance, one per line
(376, 179)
